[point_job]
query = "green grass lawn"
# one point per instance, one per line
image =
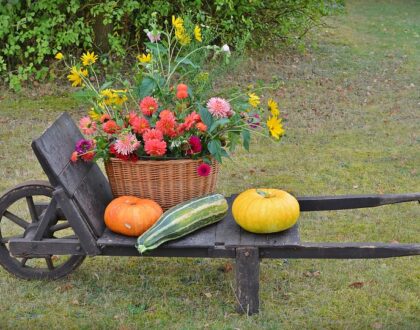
(353, 107)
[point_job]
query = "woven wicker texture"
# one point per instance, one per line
(168, 182)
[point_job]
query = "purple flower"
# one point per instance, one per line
(83, 146)
(254, 121)
(153, 36)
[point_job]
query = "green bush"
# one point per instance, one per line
(32, 31)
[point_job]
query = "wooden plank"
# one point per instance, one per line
(55, 146)
(78, 222)
(247, 280)
(204, 237)
(227, 230)
(325, 203)
(22, 247)
(109, 238)
(341, 251)
(92, 196)
(46, 221)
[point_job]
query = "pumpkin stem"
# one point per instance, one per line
(263, 193)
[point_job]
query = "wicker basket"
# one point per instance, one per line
(168, 182)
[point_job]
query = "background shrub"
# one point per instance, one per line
(33, 31)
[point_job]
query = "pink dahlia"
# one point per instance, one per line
(153, 134)
(204, 169)
(87, 126)
(195, 145)
(219, 108)
(155, 147)
(126, 144)
(167, 127)
(148, 106)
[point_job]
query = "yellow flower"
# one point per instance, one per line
(144, 58)
(120, 96)
(94, 115)
(254, 100)
(59, 56)
(178, 23)
(273, 107)
(197, 33)
(75, 76)
(89, 58)
(108, 96)
(275, 127)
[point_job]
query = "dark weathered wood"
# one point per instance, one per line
(77, 222)
(55, 146)
(340, 251)
(92, 196)
(82, 180)
(227, 230)
(325, 203)
(22, 247)
(49, 218)
(247, 280)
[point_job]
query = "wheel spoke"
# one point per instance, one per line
(32, 209)
(12, 217)
(59, 226)
(49, 262)
(23, 262)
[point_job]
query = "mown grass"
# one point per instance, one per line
(352, 102)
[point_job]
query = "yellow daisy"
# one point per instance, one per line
(275, 127)
(144, 58)
(89, 58)
(177, 22)
(197, 34)
(120, 96)
(75, 76)
(108, 96)
(59, 56)
(94, 115)
(254, 99)
(273, 107)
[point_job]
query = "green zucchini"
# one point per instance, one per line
(183, 219)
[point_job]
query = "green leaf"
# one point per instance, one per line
(217, 123)
(205, 115)
(146, 87)
(187, 62)
(154, 46)
(106, 85)
(215, 148)
(246, 138)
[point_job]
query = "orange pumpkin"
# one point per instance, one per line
(131, 216)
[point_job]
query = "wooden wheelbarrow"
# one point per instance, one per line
(48, 228)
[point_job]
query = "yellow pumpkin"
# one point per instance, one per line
(265, 211)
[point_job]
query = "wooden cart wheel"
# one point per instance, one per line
(21, 208)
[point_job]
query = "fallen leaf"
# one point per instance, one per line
(315, 273)
(75, 302)
(63, 288)
(377, 325)
(356, 285)
(207, 294)
(394, 242)
(226, 268)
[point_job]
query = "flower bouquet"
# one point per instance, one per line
(163, 133)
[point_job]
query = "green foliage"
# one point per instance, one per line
(32, 32)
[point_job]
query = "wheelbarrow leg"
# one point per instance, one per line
(247, 280)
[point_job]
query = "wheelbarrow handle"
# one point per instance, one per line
(343, 202)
